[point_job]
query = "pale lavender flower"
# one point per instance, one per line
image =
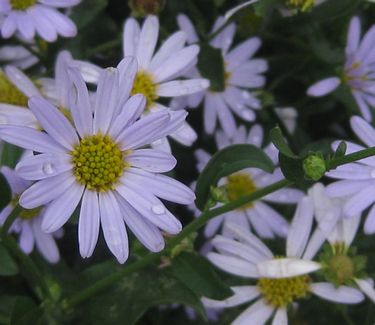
(96, 158)
(241, 73)
(357, 179)
(16, 88)
(358, 71)
(247, 257)
(18, 56)
(265, 220)
(28, 224)
(158, 72)
(31, 17)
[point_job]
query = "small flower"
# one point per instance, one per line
(28, 224)
(30, 17)
(241, 72)
(279, 281)
(265, 220)
(357, 182)
(95, 158)
(358, 70)
(157, 73)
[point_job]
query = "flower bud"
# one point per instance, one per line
(314, 166)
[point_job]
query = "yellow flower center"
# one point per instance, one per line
(302, 5)
(98, 162)
(22, 4)
(144, 84)
(239, 185)
(26, 214)
(342, 267)
(10, 94)
(281, 292)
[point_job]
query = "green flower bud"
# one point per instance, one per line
(142, 8)
(314, 166)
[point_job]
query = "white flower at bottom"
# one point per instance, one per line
(280, 281)
(97, 158)
(28, 224)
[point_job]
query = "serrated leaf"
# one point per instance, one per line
(135, 294)
(211, 66)
(278, 140)
(7, 265)
(199, 275)
(227, 161)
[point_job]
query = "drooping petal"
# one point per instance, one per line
(342, 294)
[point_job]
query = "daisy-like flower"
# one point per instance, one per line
(280, 281)
(28, 224)
(17, 56)
(16, 88)
(342, 264)
(99, 158)
(357, 179)
(241, 73)
(157, 73)
(30, 17)
(265, 220)
(358, 71)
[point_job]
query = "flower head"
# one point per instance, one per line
(30, 17)
(97, 158)
(358, 70)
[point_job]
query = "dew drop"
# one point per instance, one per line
(158, 209)
(48, 168)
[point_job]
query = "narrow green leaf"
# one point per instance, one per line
(199, 275)
(341, 149)
(7, 265)
(227, 161)
(280, 143)
(10, 155)
(211, 66)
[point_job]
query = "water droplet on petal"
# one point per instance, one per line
(158, 209)
(48, 168)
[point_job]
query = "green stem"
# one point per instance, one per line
(9, 221)
(352, 157)
(29, 269)
(152, 257)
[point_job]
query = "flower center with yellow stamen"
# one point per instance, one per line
(22, 4)
(144, 84)
(342, 266)
(281, 292)
(10, 94)
(302, 5)
(98, 162)
(26, 214)
(239, 185)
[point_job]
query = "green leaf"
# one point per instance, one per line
(226, 162)
(330, 10)
(292, 169)
(211, 66)
(10, 155)
(25, 312)
(279, 142)
(135, 294)
(341, 149)
(199, 275)
(7, 265)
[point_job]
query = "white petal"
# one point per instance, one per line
(286, 267)
(151, 160)
(342, 294)
(323, 87)
(147, 41)
(130, 37)
(363, 130)
(21, 81)
(182, 87)
(257, 313)
(241, 295)
(367, 288)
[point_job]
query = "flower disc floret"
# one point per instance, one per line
(98, 162)
(281, 292)
(9, 93)
(239, 185)
(144, 84)
(22, 4)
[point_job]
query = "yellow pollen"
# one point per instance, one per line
(22, 4)
(302, 5)
(26, 214)
(10, 94)
(281, 292)
(144, 84)
(98, 162)
(239, 185)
